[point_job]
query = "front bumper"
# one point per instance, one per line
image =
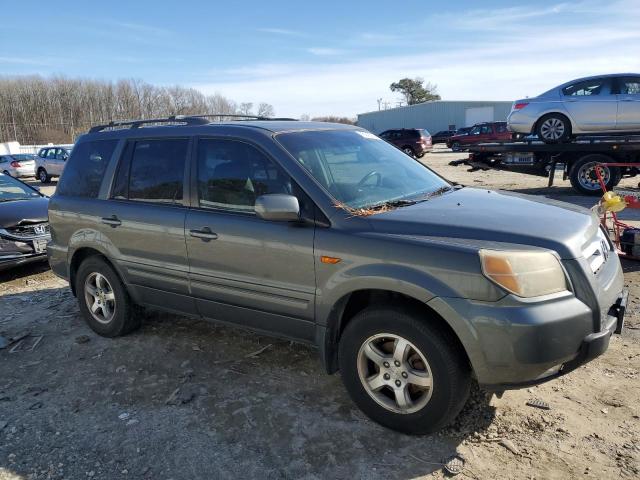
(592, 346)
(16, 251)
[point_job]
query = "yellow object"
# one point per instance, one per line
(612, 202)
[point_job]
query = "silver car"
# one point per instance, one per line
(591, 105)
(18, 165)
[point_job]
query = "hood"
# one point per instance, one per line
(495, 216)
(23, 211)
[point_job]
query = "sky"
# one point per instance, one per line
(324, 58)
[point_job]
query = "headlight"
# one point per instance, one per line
(526, 274)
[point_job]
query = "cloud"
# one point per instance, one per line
(139, 28)
(26, 61)
(326, 52)
(281, 31)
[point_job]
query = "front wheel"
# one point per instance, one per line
(402, 370)
(43, 176)
(584, 179)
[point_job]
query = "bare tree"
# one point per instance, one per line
(265, 110)
(36, 110)
(246, 108)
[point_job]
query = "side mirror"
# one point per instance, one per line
(278, 207)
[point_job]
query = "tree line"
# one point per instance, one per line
(36, 110)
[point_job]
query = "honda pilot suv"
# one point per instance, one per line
(412, 287)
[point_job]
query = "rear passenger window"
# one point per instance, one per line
(83, 174)
(232, 174)
(584, 89)
(152, 171)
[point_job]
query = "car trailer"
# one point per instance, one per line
(578, 158)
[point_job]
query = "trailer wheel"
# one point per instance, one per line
(583, 178)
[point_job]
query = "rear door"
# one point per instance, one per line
(144, 220)
(244, 269)
(591, 104)
(628, 90)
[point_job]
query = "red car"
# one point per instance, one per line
(415, 142)
(480, 133)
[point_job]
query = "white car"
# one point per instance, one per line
(50, 162)
(18, 165)
(594, 105)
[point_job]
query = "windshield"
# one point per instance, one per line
(23, 157)
(360, 170)
(11, 189)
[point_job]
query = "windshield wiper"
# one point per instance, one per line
(435, 193)
(392, 204)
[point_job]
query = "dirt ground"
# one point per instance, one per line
(187, 399)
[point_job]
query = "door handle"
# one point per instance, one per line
(205, 234)
(112, 221)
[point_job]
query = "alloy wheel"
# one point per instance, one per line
(395, 373)
(100, 298)
(552, 128)
(43, 176)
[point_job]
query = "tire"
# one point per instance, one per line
(553, 128)
(583, 178)
(409, 151)
(124, 318)
(456, 147)
(429, 346)
(43, 176)
(6, 172)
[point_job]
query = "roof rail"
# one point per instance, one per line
(239, 116)
(180, 119)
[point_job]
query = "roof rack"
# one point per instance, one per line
(179, 119)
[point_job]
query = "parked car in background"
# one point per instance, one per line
(18, 165)
(50, 162)
(463, 130)
(410, 286)
(593, 105)
(480, 133)
(24, 227)
(441, 136)
(415, 142)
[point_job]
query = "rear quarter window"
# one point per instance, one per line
(85, 169)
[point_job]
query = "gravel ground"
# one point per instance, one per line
(187, 399)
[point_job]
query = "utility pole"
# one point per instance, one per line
(379, 103)
(386, 105)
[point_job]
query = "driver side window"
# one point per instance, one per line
(232, 174)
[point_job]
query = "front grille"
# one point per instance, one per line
(28, 231)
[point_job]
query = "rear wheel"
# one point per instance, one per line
(408, 151)
(43, 176)
(583, 175)
(553, 128)
(456, 147)
(403, 372)
(103, 299)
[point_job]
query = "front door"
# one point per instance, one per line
(244, 269)
(628, 104)
(144, 221)
(591, 104)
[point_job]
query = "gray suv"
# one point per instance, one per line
(410, 286)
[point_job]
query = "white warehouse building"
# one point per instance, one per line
(435, 115)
